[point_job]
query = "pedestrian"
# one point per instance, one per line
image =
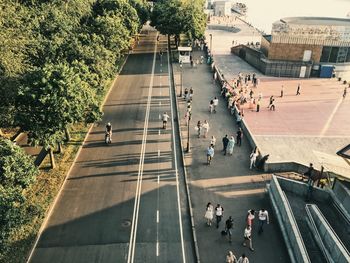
(215, 103)
(272, 105)
(219, 212)
(211, 106)
(199, 128)
(258, 106)
(251, 93)
(209, 214)
(230, 145)
(248, 237)
(309, 172)
(239, 136)
(230, 257)
(210, 154)
(225, 141)
(263, 219)
(165, 118)
(186, 93)
(298, 89)
(253, 157)
(213, 140)
(270, 102)
(282, 90)
(250, 217)
(243, 259)
(239, 119)
(191, 94)
(205, 127)
(344, 93)
(228, 228)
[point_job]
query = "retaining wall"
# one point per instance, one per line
(343, 195)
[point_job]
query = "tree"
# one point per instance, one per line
(17, 173)
(50, 99)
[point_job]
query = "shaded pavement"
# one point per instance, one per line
(228, 180)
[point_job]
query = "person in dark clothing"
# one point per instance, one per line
(228, 228)
(309, 171)
(239, 136)
(225, 141)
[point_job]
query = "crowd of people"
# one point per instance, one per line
(218, 214)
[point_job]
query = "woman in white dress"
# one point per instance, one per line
(205, 127)
(209, 213)
(230, 145)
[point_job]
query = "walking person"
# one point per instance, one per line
(239, 136)
(298, 90)
(344, 93)
(165, 118)
(211, 106)
(213, 140)
(250, 217)
(258, 106)
(243, 259)
(228, 228)
(270, 102)
(215, 103)
(199, 128)
(239, 119)
(225, 141)
(248, 237)
(263, 219)
(230, 257)
(191, 94)
(205, 127)
(272, 105)
(210, 154)
(209, 213)
(253, 157)
(219, 212)
(282, 91)
(230, 145)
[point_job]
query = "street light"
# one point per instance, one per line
(188, 132)
(181, 79)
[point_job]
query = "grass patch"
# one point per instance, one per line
(42, 193)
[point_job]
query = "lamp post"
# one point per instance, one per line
(188, 149)
(211, 43)
(181, 79)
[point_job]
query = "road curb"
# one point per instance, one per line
(194, 235)
(51, 207)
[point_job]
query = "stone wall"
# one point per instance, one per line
(293, 52)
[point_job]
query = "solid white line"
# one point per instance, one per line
(157, 216)
(157, 249)
(328, 123)
(132, 241)
(158, 153)
(176, 171)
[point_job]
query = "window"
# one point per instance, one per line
(342, 54)
(326, 51)
(334, 55)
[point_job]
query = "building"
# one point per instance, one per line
(303, 47)
(222, 8)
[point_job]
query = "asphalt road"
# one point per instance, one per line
(125, 202)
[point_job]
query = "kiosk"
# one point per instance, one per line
(184, 54)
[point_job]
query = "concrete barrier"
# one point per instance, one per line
(331, 241)
(292, 236)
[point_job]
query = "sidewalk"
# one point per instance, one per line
(228, 180)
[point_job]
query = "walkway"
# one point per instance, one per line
(227, 181)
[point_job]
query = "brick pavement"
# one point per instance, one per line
(227, 181)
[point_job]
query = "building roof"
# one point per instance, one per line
(327, 21)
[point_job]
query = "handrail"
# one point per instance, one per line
(320, 244)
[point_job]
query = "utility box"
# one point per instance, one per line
(184, 54)
(326, 71)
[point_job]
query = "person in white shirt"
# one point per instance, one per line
(250, 217)
(215, 103)
(209, 213)
(248, 237)
(219, 212)
(263, 218)
(165, 118)
(205, 127)
(243, 259)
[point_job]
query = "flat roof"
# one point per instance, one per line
(184, 48)
(327, 21)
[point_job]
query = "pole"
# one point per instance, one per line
(181, 80)
(211, 43)
(188, 149)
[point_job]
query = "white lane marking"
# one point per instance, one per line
(158, 132)
(160, 103)
(330, 118)
(157, 216)
(157, 249)
(158, 179)
(159, 116)
(176, 171)
(132, 241)
(158, 153)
